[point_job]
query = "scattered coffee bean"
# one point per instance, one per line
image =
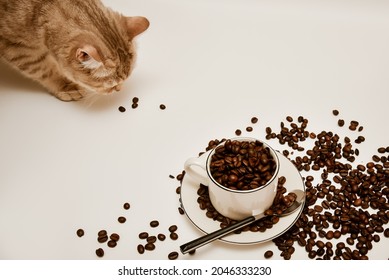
(335, 112)
(102, 239)
(150, 246)
(80, 232)
(102, 233)
(115, 237)
(162, 107)
(154, 223)
(249, 128)
(135, 100)
(341, 122)
(112, 243)
(254, 120)
(181, 211)
(134, 105)
(122, 109)
(122, 219)
(238, 132)
(268, 254)
(172, 228)
(100, 252)
(143, 235)
(173, 255)
(161, 237)
(173, 236)
(151, 239)
(140, 248)
(126, 206)
(353, 125)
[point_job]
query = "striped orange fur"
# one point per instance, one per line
(74, 48)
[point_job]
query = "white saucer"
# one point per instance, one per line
(197, 216)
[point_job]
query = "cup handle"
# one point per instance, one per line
(199, 174)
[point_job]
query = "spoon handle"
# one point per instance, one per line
(192, 245)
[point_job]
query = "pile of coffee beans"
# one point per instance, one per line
(347, 206)
(280, 203)
(242, 165)
(348, 203)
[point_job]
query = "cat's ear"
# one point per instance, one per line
(89, 57)
(136, 25)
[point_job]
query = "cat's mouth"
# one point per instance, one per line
(112, 90)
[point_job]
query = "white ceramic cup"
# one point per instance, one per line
(234, 204)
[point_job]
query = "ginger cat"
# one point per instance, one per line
(74, 48)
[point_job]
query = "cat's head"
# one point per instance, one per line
(100, 61)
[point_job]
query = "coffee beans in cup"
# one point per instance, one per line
(242, 165)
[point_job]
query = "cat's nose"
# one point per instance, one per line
(118, 87)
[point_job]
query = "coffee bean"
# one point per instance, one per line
(114, 237)
(151, 239)
(100, 252)
(150, 246)
(122, 109)
(135, 100)
(126, 206)
(154, 223)
(341, 122)
(181, 211)
(140, 248)
(173, 236)
(102, 239)
(134, 105)
(335, 112)
(143, 235)
(254, 120)
(238, 132)
(173, 255)
(249, 128)
(161, 237)
(80, 232)
(122, 219)
(102, 233)
(172, 228)
(112, 243)
(318, 208)
(162, 107)
(268, 254)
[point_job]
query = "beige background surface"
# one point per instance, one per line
(214, 64)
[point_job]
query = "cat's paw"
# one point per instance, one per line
(70, 95)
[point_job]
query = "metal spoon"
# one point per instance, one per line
(201, 241)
